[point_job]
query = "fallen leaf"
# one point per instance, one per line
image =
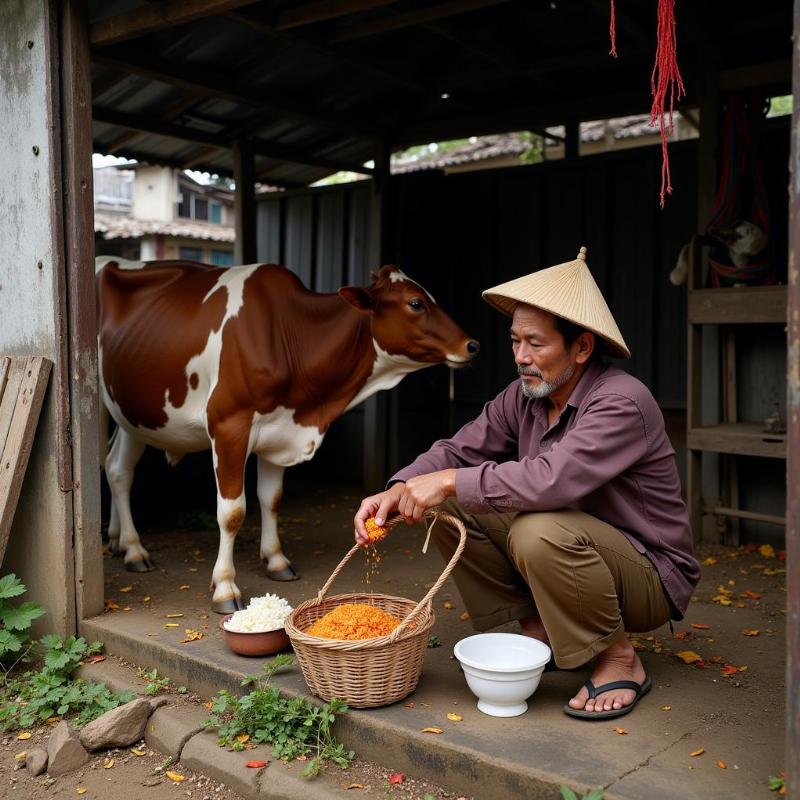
(411, 704)
(208, 705)
(721, 599)
(447, 604)
(709, 562)
(666, 708)
(464, 617)
(95, 659)
(750, 632)
(701, 626)
(192, 636)
(184, 586)
(620, 731)
(53, 720)
(21, 756)
(256, 764)
(766, 551)
(355, 786)
(302, 758)
(126, 589)
(688, 656)
(454, 717)
(110, 605)
(108, 763)
(192, 569)
(716, 659)
(637, 645)
(25, 735)
(146, 599)
(698, 752)
(243, 737)
(175, 776)
(173, 616)
(396, 777)
(428, 730)
(728, 670)
(722, 590)
(743, 668)
(751, 594)
(722, 765)
(81, 790)
(171, 625)
(681, 634)
(771, 571)
(139, 753)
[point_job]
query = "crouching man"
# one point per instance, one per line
(568, 488)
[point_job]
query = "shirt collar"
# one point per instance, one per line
(587, 380)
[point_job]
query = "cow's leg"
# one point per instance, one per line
(270, 488)
(125, 453)
(113, 529)
(229, 446)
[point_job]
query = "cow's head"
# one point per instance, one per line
(407, 321)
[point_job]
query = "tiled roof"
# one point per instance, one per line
(118, 226)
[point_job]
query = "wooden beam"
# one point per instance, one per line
(322, 10)
(156, 17)
(398, 21)
(244, 174)
(770, 73)
(195, 78)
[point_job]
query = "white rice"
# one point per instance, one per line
(262, 614)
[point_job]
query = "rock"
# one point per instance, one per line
(36, 761)
(120, 727)
(65, 753)
(157, 702)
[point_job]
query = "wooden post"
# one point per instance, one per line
(793, 449)
(377, 409)
(78, 210)
(244, 174)
(572, 143)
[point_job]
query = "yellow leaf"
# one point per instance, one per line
(355, 786)
(191, 636)
(722, 765)
(743, 669)
(81, 790)
(192, 569)
(146, 599)
(771, 571)
(174, 616)
(447, 604)
(454, 717)
(698, 752)
(25, 735)
(171, 625)
(175, 776)
(709, 562)
(750, 632)
(666, 708)
(126, 589)
(184, 586)
(722, 590)
(766, 551)
(243, 737)
(620, 731)
(139, 753)
(21, 756)
(721, 599)
(432, 730)
(688, 656)
(109, 762)
(52, 720)
(464, 617)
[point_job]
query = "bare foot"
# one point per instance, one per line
(618, 662)
(532, 626)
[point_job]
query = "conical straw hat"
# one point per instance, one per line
(568, 291)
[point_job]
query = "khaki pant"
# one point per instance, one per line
(581, 576)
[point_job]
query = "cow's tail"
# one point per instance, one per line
(104, 441)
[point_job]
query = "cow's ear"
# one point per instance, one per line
(358, 297)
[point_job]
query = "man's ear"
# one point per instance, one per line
(358, 297)
(586, 344)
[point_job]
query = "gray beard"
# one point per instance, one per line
(544, 388)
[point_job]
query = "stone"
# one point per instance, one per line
(65, 753)
(157, 702)
(120, 727)
(36, 761)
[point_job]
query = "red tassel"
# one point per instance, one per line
(612, 31)
(665, 78)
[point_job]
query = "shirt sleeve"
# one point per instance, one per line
(492, 435)
(607, 439)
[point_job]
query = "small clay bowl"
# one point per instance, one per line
(254, 644)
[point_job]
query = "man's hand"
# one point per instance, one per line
(424, 492)
(379, 506)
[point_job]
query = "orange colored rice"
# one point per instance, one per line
(351, 621)
(376, 532)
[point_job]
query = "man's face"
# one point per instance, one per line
(543, 361)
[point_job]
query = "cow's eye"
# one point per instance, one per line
(416, 304)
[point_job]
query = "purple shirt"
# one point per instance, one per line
(607, 455)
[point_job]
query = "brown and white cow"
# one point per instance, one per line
(247, 360)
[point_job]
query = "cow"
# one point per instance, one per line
(247, 360)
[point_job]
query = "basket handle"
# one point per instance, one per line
(434, 516)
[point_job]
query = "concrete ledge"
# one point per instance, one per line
(169, 729)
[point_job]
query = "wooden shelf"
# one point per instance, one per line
(737, 438)
(743, 305)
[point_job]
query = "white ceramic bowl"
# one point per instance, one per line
(502, 670)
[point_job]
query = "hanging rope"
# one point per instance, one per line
(612, 31)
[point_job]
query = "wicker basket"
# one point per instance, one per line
(370, 672)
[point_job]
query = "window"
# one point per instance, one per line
(215, 213)
(200, 208)
(222, 258)
(190, 253)
(184, 204)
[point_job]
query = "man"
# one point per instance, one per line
(568, 488)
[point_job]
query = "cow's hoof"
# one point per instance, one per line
(145, 565)
(285, 574)
(227, 606)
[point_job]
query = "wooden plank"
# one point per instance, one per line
(739, 513)
(738, 438)
(4, 365)
(730, 464)
(321, 10)
(156, 17)
(17, 448)
(745, 305)
(8, 400)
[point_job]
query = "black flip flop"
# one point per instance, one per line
(594, 691)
